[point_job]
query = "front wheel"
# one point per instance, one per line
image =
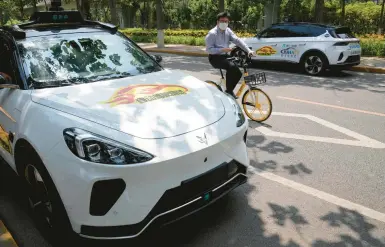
(214, 84)
(257, 105)
(44, 200)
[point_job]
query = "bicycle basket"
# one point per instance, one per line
(255, 79)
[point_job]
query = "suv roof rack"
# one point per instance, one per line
(55, 17)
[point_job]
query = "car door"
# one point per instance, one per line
(296, 42)
(10, 99)
(267, 43)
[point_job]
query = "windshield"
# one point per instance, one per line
(66, 59)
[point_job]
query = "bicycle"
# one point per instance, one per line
(241, 59)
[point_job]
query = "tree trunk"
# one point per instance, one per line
(381, 23)
(128, 14)
(114, 16)
(84, 8)
(159, 23)
(34, 5)
(221, 5)
(46, 6)
(342, 12)
(148, 16)
(319, 10)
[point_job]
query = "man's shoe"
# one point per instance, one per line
(232, 94)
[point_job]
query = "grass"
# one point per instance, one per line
(372, 45)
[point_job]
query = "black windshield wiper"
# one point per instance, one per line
(74, 81)
(107, 77)
(48, 84)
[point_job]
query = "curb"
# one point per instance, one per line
(366, 69)
(186, 53)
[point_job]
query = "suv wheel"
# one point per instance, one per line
(314, 63)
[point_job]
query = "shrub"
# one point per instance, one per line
(372, 44)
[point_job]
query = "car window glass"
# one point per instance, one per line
(344, 33)
(299, 31)
(275, 32)
(5, 64)
(83, 57)
(317, 31)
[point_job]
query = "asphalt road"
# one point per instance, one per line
(317, 168)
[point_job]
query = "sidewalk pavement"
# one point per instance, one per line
(368, 64)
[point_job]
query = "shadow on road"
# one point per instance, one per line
(233, 221)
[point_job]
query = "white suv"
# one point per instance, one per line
(315, 47)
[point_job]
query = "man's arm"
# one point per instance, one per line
(210, 44)
(234, 38)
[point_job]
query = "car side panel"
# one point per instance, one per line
(12, 103)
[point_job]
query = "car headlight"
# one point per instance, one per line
(98, 149)
(240, 117)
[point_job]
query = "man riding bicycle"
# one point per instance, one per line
(217, 45)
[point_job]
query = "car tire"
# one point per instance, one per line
(43, 199)
(314, 63)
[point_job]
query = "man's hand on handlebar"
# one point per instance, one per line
(251, 54)
(227, 49)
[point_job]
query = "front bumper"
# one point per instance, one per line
(99, 197)
(176, 203)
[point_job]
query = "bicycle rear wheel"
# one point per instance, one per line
(214, 84)
(257, 104)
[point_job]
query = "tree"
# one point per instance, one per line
(342, 12)
(319, 11)
(159, 23)
(381, 23)
(84, 7)
(221, 5)
(114, 14)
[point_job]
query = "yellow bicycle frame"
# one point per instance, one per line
(243, 85)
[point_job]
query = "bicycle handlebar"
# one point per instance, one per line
(240, 57)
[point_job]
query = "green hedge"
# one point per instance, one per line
(372, 45)
(173, 32)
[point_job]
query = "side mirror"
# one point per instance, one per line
(5, 84)
(157, 58)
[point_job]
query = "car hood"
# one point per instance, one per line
(157, 105)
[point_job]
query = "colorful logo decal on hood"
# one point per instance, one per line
(266, 51)
(144, 93)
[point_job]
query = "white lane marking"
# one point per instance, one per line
(361, 140)
(368, 212)
(332, 106)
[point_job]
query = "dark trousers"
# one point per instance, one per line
(233, 73)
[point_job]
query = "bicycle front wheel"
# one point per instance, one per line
(257, 104)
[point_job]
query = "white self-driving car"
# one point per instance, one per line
(105, 140)
(314, 47)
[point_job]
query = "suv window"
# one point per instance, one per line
(6, 62)
(64, 59)
(299, 31)
(344, 33)
(317, 31)
(275, 32)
